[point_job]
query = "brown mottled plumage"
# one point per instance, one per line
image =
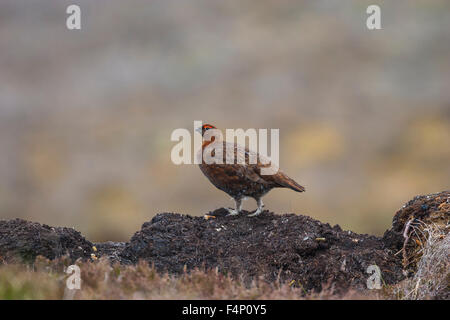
(244, 180)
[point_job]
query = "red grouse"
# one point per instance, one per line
(243, 180)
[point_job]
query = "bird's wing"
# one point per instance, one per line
(253, 170)
(240, 162)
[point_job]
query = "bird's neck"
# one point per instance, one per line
(207, 142)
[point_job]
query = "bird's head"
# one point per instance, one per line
(205, 127)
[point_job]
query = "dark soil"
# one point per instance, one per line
(276, 247)
(432, 209)
(22, 240)
(286, 247)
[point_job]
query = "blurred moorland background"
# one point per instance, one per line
(86, 116)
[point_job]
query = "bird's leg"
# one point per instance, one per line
(233, 212)
(260, 208)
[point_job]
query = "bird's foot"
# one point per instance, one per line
(256, 213)
(232, 212)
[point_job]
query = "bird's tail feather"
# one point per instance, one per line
(286, 182)
(291, 184)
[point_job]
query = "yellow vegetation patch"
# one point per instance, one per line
(314, 144)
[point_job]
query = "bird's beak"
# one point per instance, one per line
(199, 130)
